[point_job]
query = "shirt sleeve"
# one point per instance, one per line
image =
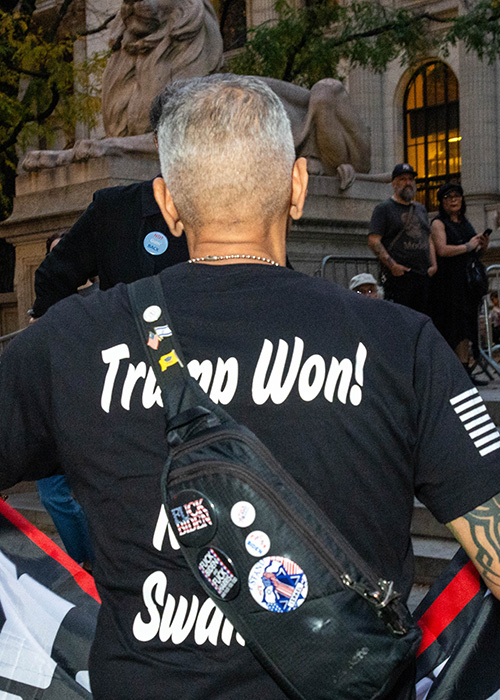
(70, 264)
(27, 449)
(458, 445)
(378, 221)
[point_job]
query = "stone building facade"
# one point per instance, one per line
(442, 115)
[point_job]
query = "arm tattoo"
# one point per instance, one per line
(484, 524)
(382, 254)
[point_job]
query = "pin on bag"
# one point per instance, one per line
(310, 609)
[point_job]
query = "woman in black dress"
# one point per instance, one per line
(454, 309)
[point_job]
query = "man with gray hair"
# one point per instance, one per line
(309, 367)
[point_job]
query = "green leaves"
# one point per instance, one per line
(41, 88)
(479, 30)
(321, 41)
(42, 91)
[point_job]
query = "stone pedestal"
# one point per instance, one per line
(334, 222)
(51, 200)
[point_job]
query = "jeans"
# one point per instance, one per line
(68, 517)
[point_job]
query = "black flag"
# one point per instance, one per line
(48, 615)
(460, 651)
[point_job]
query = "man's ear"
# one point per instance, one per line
(167, 206)
(300, 178)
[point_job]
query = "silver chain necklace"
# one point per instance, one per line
(210, 258)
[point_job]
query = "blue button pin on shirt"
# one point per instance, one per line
(155, 243)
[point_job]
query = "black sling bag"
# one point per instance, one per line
(312, 612)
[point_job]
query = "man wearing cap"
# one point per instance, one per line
(399, 235)
(364, 284)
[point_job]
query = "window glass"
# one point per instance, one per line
(432, 129)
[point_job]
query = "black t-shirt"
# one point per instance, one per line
(411, 248)
(359, 399)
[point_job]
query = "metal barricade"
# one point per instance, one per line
(5, 340)
(341, 268)
(487, 346)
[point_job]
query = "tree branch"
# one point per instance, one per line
(63, 10)
(384, 28)
(11, 140)
(23, 71)
(98, 29)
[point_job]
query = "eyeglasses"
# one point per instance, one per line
(452, 195)
(366, 292)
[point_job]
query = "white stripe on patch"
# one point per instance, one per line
(470, 414)
(487, 438)
(471, 411)
(468, 404)
(478, 421)
(481, 430)
(490, 448)
(464, 395)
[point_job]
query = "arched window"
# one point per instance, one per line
(432, 129)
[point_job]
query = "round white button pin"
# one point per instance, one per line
(257, 543)
(243, 514)
(151, 314)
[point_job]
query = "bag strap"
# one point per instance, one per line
(405, 228)
(186, 406)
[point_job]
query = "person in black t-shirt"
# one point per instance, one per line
(399, 235)
(308, 366)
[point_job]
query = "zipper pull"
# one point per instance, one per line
(381, 600)
(361, 588)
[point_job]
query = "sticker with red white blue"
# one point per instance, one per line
(194, 518)
(219, 573)
(278, 584)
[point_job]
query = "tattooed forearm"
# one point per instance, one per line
(484, 524)
(382, 254)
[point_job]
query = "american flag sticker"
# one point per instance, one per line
(470, 408)
(153, 341)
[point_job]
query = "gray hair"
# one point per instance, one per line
(226, 149)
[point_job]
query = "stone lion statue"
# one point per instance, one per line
(157, 41)
(153, 44)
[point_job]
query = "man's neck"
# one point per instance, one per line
(401, 201)
(251, 239)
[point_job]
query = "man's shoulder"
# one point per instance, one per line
(79, 312)
(388, 203)
(382, 209)
(420, 207)
(120, 193)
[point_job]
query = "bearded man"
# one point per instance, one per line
(399, 235)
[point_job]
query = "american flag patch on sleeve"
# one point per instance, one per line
(470, 408)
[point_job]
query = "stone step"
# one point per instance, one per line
(491, 398)
(432, 556)
(25, 499)
(424, 524)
